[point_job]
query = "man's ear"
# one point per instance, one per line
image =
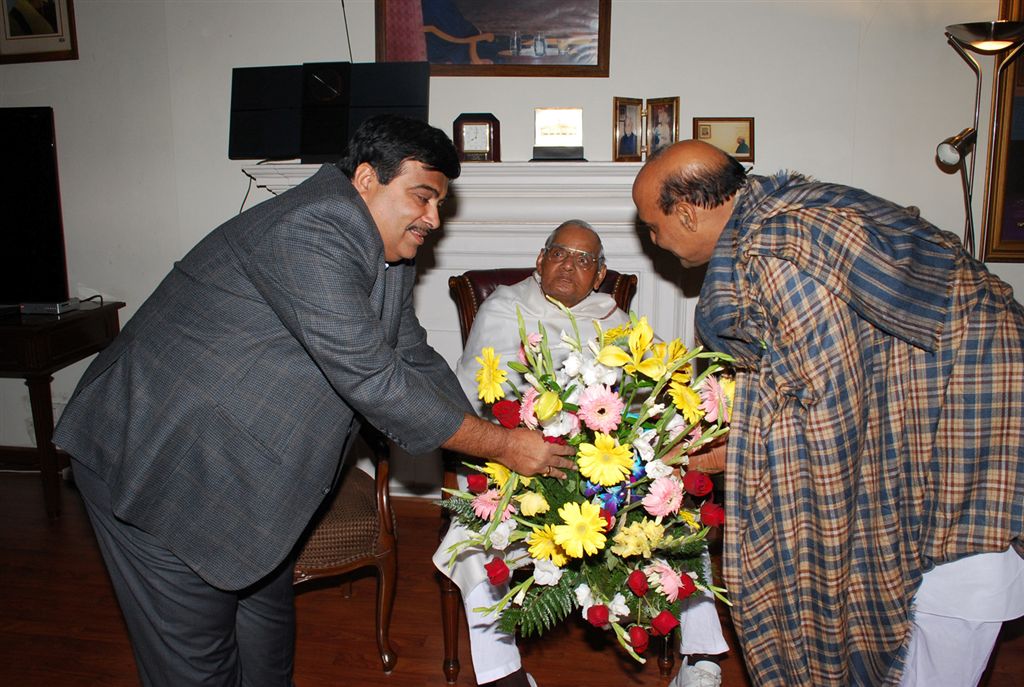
(364, 178)
(540, 259)
(599, 277)
(686, 215)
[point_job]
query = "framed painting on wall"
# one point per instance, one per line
(734, 135)
(497, 38)
(37, 31)
(1002, 237)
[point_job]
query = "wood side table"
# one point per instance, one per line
(33, 347)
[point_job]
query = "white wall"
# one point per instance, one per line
(851, 91)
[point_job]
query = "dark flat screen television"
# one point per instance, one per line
(33, 266)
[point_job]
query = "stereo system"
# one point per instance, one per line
(309, 111)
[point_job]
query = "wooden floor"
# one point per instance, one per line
(60, 625)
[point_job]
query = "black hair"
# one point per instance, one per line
(706, 186)
(386, 141)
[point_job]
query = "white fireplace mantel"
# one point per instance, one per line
(512, 192)
(498, 216)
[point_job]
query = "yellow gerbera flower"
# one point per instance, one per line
(531, 503)
(583, 531)
(686, 399)
(605, 462)
(490, 377)
(633, 362)
(542, 545)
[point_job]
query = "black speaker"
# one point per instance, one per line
(310, 111)
(266, 113)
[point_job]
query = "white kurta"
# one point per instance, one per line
(496, 325)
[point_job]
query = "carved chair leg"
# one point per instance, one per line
(387, 570)
(451, 606)
(668, 653)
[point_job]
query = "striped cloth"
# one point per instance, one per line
(878, 422)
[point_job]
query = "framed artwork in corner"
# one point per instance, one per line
(37, 31)
(477, 137)
(627, 129)
(662, 123)
(734, 135)
(497, 38)
(1002, 233)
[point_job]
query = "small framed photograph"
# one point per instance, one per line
(734, 135)
(559, 127)
(662, 123)
(627, 120)
(37, 31)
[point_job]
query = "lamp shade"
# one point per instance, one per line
(988, 37)
(955, 148)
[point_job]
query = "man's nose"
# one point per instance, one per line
(433, 217)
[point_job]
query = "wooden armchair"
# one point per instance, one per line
(356, 529)
(469, 290)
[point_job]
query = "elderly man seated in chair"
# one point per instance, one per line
(570, 268)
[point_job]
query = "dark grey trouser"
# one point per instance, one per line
(183, 631)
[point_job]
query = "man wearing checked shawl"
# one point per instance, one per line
(874, 474)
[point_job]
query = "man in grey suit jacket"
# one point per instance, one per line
(206, 436)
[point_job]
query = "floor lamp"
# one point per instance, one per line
(988, 38)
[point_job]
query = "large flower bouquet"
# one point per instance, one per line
(622, 537)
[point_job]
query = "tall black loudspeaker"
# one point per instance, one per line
(331, 100)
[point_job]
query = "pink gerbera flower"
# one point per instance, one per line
(662, 576)
(526, 410)
(485, 505)
(601, 408)
(712, 398)
(664, 496)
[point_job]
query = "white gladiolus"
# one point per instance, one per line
(502, 533)
(617, 609)
(573, 364)
(546, 573)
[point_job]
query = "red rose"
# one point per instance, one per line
(686, 586)
(697, 483)
(497, 571)
(609, 520)
(639, 638)
(477, 482)
(664, 623)
(556, 440)
(637, 583)
(598, 615)
(712, 515)
(506, 412)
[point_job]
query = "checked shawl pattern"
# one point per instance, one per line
(877, 428)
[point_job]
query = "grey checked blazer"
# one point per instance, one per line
(219, 415)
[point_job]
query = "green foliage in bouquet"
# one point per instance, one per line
(623, 538)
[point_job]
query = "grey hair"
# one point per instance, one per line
(577, 223)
